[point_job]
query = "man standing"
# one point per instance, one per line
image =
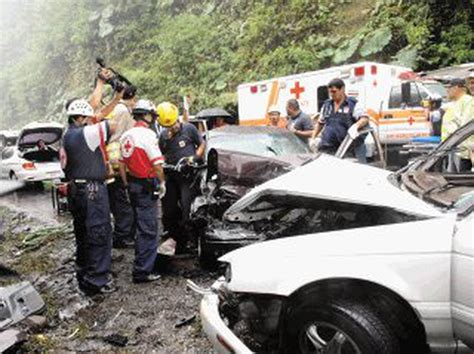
(83, 161)
(145, 182)
(178, 141)
(459, 112)
(298, 122)
(340, 115)
(275, 119)
(124, 228)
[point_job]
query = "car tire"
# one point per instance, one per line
(347, 326)
(207, 260)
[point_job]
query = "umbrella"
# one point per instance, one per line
(213, 113)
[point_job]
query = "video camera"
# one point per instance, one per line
(118, 82)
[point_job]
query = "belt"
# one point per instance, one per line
(85, 181)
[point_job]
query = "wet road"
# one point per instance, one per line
(34, 202)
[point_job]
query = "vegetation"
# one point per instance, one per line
(205, 48)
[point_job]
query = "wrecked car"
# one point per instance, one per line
(380, 263)
(234, 173)
(35, 157)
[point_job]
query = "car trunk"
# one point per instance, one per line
(28, 144)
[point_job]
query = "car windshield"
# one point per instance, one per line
(436, 87)
(260, 144)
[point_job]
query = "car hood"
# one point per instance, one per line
(49, 132)
(334, 179)
(266, 266)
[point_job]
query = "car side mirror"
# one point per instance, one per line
(406, 93)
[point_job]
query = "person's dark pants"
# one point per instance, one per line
(89, 205)
(124, 225)
(144, 205)
(176, 207)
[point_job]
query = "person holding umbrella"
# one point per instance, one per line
(215, 117)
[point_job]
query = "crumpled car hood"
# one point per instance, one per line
(334, 179)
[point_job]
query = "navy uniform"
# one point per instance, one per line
(337, 124)
(179, 195)
(84, 165)
(302, 122)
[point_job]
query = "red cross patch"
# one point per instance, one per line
(127, 147)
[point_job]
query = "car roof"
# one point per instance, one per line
(245, 129)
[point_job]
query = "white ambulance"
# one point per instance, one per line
(392, 95)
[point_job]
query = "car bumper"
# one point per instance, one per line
(37, 176)
(221, 337)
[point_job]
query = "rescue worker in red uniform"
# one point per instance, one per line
(145, 183)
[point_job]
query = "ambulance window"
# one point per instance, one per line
(395, 100)
(323, 95)
(415, 100)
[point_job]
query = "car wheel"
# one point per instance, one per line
(207, 260)
(338, 327)
(13, 176)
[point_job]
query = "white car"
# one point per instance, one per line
(35, 157)
(399, 277)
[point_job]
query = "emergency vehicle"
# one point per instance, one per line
(392, 95)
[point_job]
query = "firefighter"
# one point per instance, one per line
(83, 161)
(145, 184)
(341, 115)
(124, 227)
(178, 140)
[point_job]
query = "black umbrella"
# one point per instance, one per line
(213, 113)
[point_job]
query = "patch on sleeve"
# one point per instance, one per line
(127, 147)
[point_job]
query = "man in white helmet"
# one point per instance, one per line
(84, 164)
(274, 117)
(145, 182)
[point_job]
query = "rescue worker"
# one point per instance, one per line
(124, 227)
(341, 115)
(470, 83)
(177, 141)
(275, 119)
(435, 113)
(83, 161)
(459, 112)
(299, 123)
(145, 183)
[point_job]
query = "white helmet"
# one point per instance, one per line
(80, 107)
(143, 107)
(273, 109)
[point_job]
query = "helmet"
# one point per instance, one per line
(435, 97)
(273, 109)
(143, 107)
(167, 114)
(80, 107)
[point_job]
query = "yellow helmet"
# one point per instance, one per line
(167, 114)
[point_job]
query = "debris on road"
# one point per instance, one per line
(185, 321)
(10, 337)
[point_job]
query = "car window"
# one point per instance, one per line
(265, 145)
(395, 100)
(7, 153)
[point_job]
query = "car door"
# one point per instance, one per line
(462, 296)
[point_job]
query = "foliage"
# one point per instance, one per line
(205, 48)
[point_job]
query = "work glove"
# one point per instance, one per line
(313, 144)
(167, 248)
(162, 190)
(353, 131)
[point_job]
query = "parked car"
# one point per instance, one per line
(35, 157)
(7, 138)
(249, 160)
(378, 262)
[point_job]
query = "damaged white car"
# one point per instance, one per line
(394, 275)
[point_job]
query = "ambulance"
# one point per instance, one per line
(392, 95)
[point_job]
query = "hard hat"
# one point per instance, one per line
(143, 107)
(273, 109)
(167, 114)
(80, 107)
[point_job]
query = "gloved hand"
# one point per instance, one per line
(313, 144)
(353, 131)
(162, 191)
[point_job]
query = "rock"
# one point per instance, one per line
(36, 322)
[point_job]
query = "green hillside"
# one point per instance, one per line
(205, 48)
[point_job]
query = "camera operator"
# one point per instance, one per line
(83, 160)
(177, 141)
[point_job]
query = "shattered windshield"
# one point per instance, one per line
(265, 145)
